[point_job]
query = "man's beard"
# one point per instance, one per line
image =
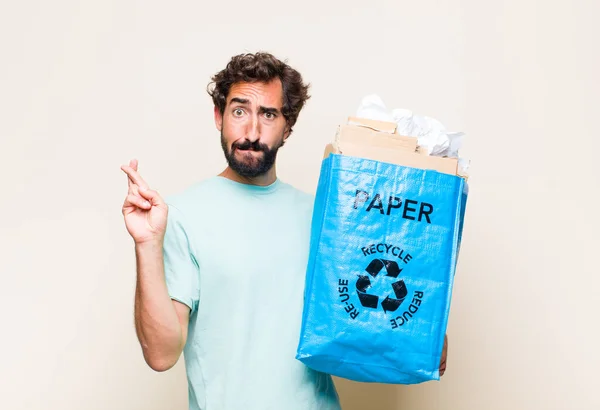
(250, 165)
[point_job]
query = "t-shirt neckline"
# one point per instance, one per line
(251, 188)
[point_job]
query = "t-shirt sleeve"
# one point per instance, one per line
(181, 267)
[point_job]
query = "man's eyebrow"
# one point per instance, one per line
(264, 110)
(239, 100)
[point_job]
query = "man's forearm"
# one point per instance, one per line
(157, 324)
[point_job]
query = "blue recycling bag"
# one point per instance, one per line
(383, 252)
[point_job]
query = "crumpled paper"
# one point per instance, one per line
(430, 133)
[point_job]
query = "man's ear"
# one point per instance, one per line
(287, 133)
(218, 118)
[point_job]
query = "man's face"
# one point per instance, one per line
(252, 127)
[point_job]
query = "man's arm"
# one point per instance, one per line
(161, 323)
(444, 356)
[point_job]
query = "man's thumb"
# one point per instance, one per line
(152, 196)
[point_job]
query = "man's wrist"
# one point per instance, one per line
(148, 246)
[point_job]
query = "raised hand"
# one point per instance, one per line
(144, 210)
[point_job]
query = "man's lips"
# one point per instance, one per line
(247, 149)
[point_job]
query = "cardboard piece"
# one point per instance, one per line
(366, 136)
(329, 149)
(381, 126)
(378, 140)
(422, 151)
(399, 157)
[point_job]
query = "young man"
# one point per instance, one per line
(221, 266)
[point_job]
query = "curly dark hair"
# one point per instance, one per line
(261, 67)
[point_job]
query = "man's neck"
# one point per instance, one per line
(262, 180)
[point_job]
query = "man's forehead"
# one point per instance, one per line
(270, 93)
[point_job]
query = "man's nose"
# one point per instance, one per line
(253, 130)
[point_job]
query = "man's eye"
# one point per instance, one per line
(238, 112)
(270, 115)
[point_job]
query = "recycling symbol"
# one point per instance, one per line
(363, 283)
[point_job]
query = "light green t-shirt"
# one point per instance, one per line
(236, 254)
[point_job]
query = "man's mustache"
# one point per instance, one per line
(248, 145)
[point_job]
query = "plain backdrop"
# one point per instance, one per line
(85, 86)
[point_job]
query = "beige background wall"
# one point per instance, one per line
(85, 86)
